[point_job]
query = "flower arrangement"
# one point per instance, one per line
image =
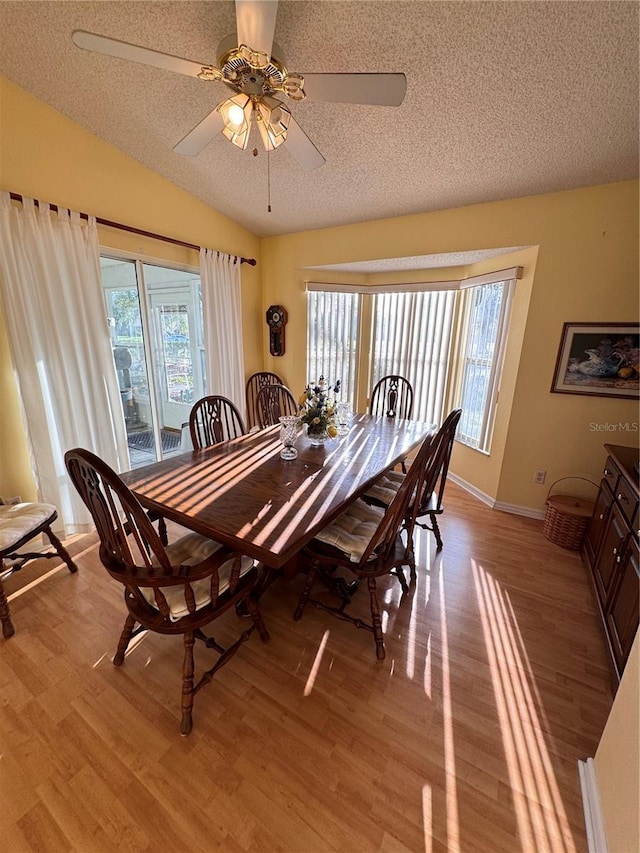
(317, 408)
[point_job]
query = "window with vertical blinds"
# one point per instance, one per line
(486, 317)
(412, 335)
(412, 338)
(332, 338)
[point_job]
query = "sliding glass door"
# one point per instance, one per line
(155, 318)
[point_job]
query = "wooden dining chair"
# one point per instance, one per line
(214, 419)
(177, 589)
(367, 542)
(392, 396)
(255, 383)
(19, 526)
(429, 503)
(272, 402)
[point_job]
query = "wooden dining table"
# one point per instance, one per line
(241, 493)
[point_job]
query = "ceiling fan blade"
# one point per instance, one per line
(386, 90)
(135, 53)
(201, 135)
(302, 148)
(256, 22)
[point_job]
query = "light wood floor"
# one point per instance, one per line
(466, 738)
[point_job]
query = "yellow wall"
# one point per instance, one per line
(583, 266)
(617, 762)
(47, 156)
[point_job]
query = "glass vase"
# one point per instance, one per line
(343, 412)
(317, 437)
(288, 436)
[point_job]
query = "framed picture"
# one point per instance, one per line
(601, 359)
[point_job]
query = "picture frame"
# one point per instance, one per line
(598, 359)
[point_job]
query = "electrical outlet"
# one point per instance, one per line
(15, 500)
(539, 477)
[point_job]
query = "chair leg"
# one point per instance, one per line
(410, 553)
(187, 684)
(254, 612)
(304, 595)
(436, 531)
(62, 551)
(411, 557)
(125, 637)
(376, 619)
(162, 530)
(5, 617)
(399, 572)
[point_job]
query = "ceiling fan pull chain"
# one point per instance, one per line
(268, 183)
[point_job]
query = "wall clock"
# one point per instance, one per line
(277, 319)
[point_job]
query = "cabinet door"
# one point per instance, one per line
(627, 499)
(613, 543)
(598, 523)
(611, 473)
(622, 610)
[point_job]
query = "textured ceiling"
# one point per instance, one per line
(419, 262)
(503, 100)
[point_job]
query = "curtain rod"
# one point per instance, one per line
(131, 230)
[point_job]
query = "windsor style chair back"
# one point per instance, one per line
(213, 419)
(255, 383)
(392, 396)
(272, 403)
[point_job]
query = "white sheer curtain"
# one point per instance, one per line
(53, 303)
(222, 310)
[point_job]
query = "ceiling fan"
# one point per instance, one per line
(255, 76)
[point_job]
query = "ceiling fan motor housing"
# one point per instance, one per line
(267, 78)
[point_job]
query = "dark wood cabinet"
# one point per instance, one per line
(614, 540)
(610, 550)
(598, 524)
(622, 608)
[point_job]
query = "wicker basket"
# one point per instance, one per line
(567, 518)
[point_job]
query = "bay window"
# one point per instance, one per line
(410, 332)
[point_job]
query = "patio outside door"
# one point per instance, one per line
(155, 318)
(176, 355)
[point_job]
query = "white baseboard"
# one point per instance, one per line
(594, 823)
(473, 490)
(515, 509)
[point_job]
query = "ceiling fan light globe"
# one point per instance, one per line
(236, 116)
(270, 140)
(273, 122)
(238, 138)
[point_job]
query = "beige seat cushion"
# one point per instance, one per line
(385, 489)
(188, 551)
(352, 531)
(19, 520)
